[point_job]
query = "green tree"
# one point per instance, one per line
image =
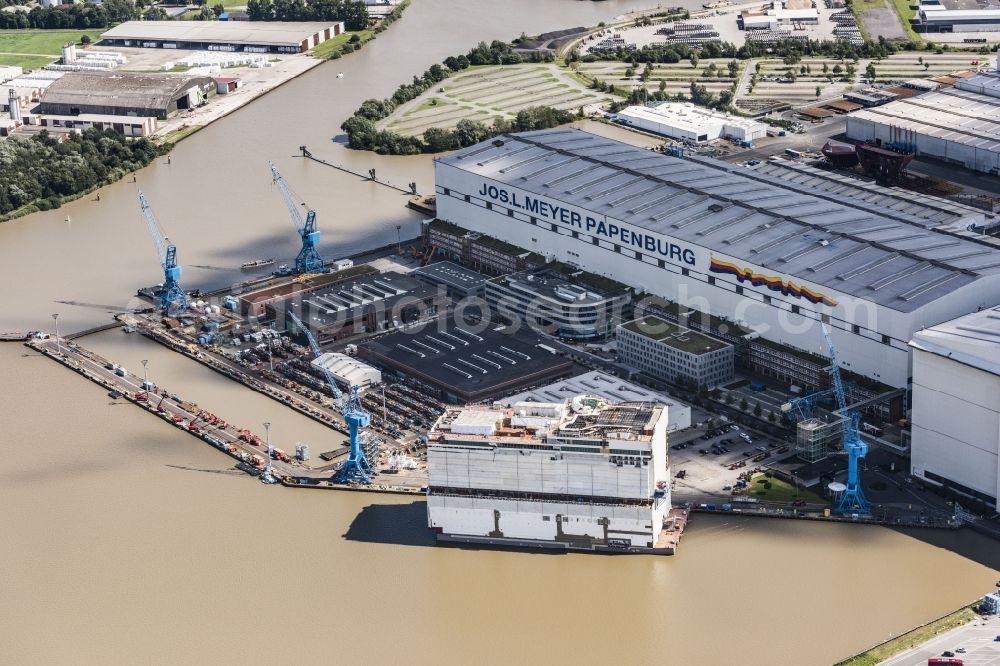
(734, 69)
(743, 404)
(693, 60)
(826, 68)
(870, 72)
(218, 9)
(851, 71)
(757, 410)
(819, 90)
(837, 69)
(771, 416)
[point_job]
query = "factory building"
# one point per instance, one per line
(588, 475)
(956, 406)
(246, 36)
(610, 388)
(956, 16)
(457, 281)
(466, 363)
(960, 124)
(349, 371)
(133, 126)
(687, 122)
(774, 256)
(560, 301)
(673, 353)
(124, 94)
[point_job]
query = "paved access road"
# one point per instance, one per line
(976, 637)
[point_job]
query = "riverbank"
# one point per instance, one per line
(879, 653)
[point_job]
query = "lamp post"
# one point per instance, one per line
(145, 380)
(266, 476)
(55, 318)
(399, 242)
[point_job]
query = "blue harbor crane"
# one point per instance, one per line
(357, 469)
(308, 260)
(853, 500)
(172, 297)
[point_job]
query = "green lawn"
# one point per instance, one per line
(905, 13)
(782, 491)
(27, 62)
(40, 42)
(327, 48)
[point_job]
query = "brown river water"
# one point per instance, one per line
(129, 542)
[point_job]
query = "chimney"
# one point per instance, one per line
(15, 106)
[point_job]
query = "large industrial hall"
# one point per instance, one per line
(773, 255)
(250, 36)
(960, 124)
(124, 94)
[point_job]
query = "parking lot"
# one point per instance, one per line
(707, 462)
(977, 640)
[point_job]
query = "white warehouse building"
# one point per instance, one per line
(349, 370)
(956, 406)
(687, 122)
(959, 124)
(771, 254)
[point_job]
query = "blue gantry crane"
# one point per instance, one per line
(308, 260)
(357, 469)
(853, 500)
(172, 297)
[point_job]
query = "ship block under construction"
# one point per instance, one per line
(580, 475)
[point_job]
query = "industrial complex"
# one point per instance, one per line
(770, 255)
(248, 36)
(960, 124)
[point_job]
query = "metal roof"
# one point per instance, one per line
(120, 89)
(273, 33)
(891, 202)
(900, 262)
(973, 340)
(951, 115)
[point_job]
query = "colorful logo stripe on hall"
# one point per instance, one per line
(771, 282)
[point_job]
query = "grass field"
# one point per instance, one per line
(40, 42)
(28, 48)
(782, 491)
(27, 62)
(905, 13)
(911, 639)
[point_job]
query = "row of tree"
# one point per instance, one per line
(364, 135)
(354, 13)
(42, 171)
(791, 50)
(80, 16)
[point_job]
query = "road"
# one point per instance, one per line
(976, 637)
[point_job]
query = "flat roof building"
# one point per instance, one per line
(674, 353)
(685, 121)
(588, 475)
(249, 36)
(773, 255)
(957, 16)
(124, 94)
(466, 363)
(955, 439)
(565, 302)
(610, 388)
(458, 281)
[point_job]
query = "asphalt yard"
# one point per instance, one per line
(977, 639)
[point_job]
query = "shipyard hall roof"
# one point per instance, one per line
(889, 256)
(274, 33)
